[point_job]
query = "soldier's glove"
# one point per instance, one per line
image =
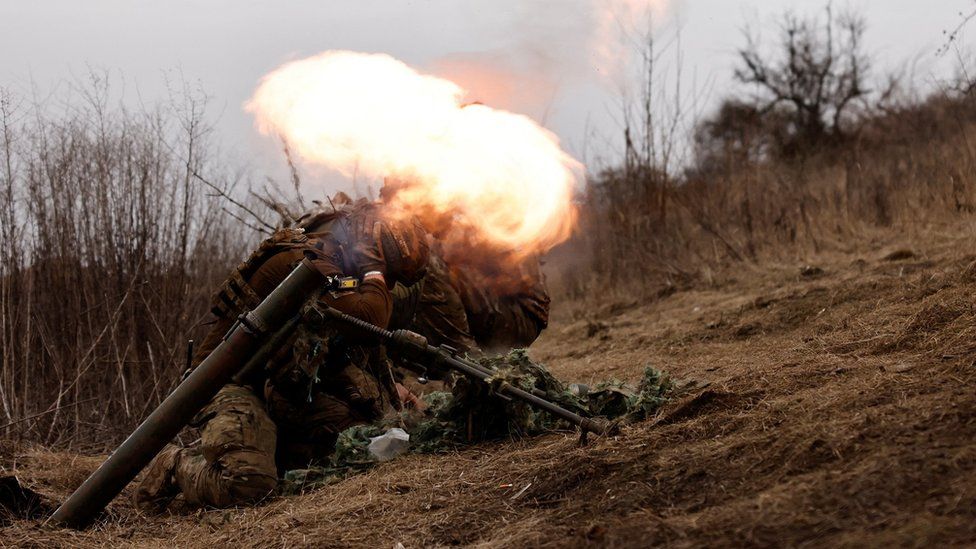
(358, 390)
(409, 400)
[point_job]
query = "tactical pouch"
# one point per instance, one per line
(298, 372)
(235, 295)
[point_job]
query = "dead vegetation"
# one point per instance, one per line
(109, 250)
(824, 154)
(814, 433)
(820, 295)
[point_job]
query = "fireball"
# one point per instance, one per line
(494, 172)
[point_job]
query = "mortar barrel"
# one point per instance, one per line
(165, 422)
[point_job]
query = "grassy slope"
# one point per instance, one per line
(840, 411)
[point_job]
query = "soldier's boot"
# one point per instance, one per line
(158, 485)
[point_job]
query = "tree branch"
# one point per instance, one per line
(220, 192)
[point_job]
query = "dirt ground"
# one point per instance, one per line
(836, 407)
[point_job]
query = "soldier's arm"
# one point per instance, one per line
(371, 301)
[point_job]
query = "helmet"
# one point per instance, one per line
(405, 249)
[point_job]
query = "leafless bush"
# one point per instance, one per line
(627, 203)
(110, 249)
(652, 225)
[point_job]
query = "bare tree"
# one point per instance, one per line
(819, 72)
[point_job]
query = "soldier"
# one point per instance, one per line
(475, 297)
(319, 384)
(507, 302)
(436, 310)
(477, 301)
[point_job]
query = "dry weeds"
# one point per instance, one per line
(813, 430)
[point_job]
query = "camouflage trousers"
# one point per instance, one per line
(245, 442)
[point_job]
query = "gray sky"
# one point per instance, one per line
(227, 45)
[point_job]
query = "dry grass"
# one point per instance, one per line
(110, 250)
(812, 431)
(826, 299)
(648, 232)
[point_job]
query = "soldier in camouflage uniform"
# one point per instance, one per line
(437, 312)
(493, 304)
(475, 297)
(319, 384)
(507, 304)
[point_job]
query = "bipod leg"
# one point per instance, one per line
(583, 439)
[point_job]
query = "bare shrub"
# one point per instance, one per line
(628, 206)
(652, 225)
(110, 249)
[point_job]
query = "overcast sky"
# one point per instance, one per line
(227, 45)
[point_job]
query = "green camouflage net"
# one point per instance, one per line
(470, 414)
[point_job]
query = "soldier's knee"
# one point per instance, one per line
(243, 487)
(245, 466)
(235, 478)
(236, 463)
(240, 424)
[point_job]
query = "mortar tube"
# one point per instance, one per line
(178, 409)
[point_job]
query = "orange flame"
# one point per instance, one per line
(493, 171)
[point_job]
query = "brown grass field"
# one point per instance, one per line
(831, 407)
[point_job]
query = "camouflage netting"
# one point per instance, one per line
(468, 414)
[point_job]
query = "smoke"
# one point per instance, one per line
(373, 117)
(550, 46)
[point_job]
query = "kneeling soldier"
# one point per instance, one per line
(320, 383)
(478, 305)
